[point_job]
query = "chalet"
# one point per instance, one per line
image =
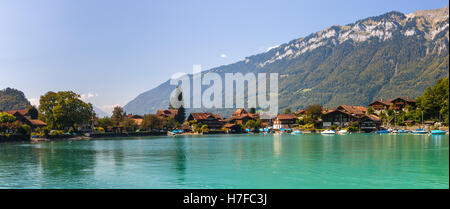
(185, 128)
(137, 119)
(232, 128)
(24, 117)
(241, 116)
(284, 121)
(214, 122)
(379, 105)
(342, 115)
(400, 103)
(300, 112)
(167, 113)
(369, 123)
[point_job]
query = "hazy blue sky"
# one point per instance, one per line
(115, 50)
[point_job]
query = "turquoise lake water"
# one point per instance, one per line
(230, 161)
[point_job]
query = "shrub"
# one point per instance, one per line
(24, 129)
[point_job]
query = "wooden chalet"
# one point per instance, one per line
(214, 122)
(401, 102)
(137, 119)
(241, 116)
(167, 113)
(380, 105)
(369, 123)
(24, 117)
(342, 115)
(284, 121)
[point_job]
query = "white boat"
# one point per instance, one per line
(342, 132)
(296, 132)
(327, 132)
(420, 131)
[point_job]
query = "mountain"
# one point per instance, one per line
(100, 113)
(12, 99)
(378, 57)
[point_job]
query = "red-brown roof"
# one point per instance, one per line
(37, 122)
(373, 117)
(204, 116)
(300, 112)
(239, 112)
(286, 116)
(387, 103)
(136, 116)
(22, 112)
(167, 113)
(358, 110)
(229, 125)
(403, 98)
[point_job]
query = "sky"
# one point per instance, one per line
(110, 51)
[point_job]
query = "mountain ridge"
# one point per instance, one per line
(391, 54)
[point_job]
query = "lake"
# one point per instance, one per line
(231, 161)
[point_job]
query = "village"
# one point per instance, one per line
(381, 116)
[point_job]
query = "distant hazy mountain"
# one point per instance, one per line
(100, 113)
(378, 57)
(12, 99)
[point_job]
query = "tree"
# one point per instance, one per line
(435, 101)
(370, 111)
(118, 115)
(287, 111)
(105, 123)
(252, 110)
(253, 124)
(315, 111)
(64, 110)
(12, 99)
(129, 124)
(181, 115)
(151, 122)
(33, 112)
(6, 118)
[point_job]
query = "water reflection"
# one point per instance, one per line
(241, 161)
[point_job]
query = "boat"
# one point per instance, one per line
(438, 132)
(296, 132)
(342, 131)
(327, 132)
(383, 132)
(420, 131)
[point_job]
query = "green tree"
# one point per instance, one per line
(287, 111)
(435, 101)
(314, 111)
(181, 115)
(105, 123)
(33, 112)
(252, 110)
(152, 122)
(129, 124)
(118, 115)
(6, 118)
(64, 110)
(253, 124)
(370, 111)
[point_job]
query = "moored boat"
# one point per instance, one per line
(296, 132)
(420, 131)
(328, 132)
(342, 131)
(383, 132)
(438, 132)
